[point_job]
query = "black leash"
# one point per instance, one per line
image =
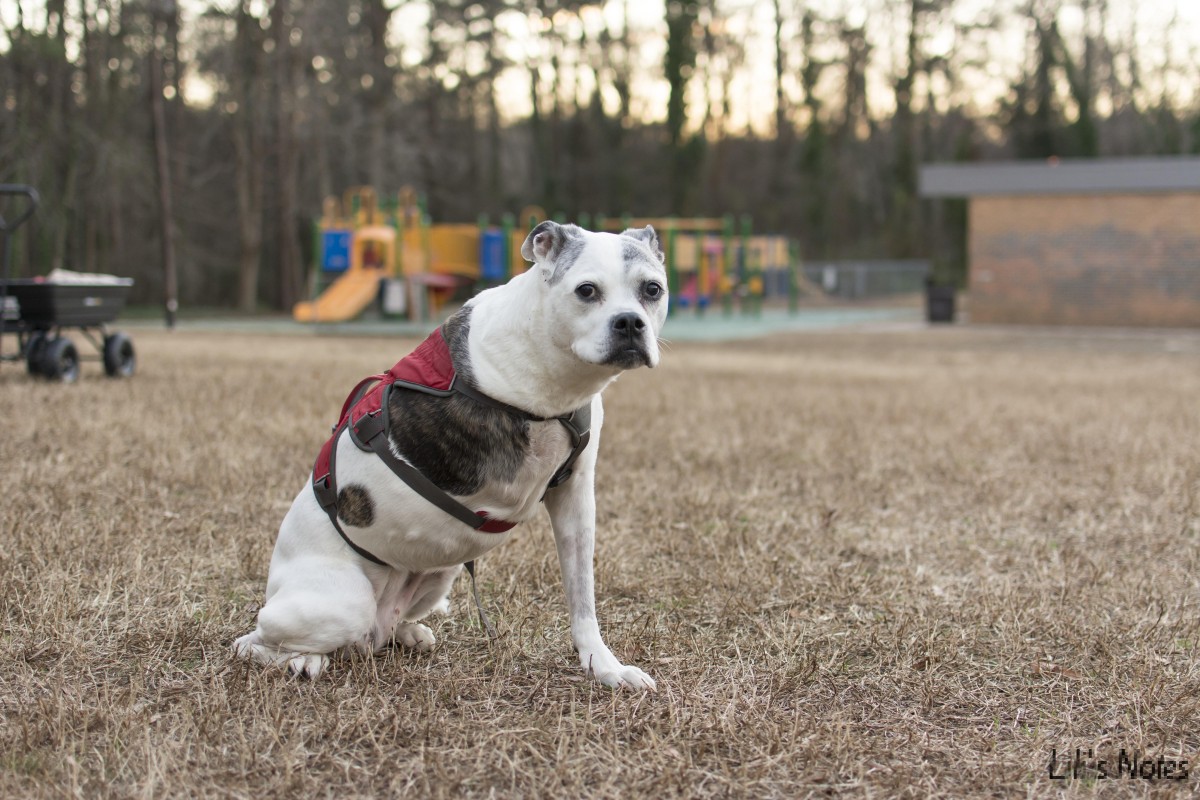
(483, 618)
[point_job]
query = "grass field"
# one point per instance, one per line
(867, 564)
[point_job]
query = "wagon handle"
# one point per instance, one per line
(15, 190)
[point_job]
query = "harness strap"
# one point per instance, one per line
(579, 426)
(369, 430)
(325, 488)
(358, 393)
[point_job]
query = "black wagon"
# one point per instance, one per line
(37, 310)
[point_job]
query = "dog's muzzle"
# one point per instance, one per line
(627, 341)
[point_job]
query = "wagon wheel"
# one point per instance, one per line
(33, 352)
(60, 360)
(120, 361)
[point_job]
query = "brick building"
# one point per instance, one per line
(1080, 242)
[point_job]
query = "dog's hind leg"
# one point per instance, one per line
(430, 596)
(307, 665)
(322, 606)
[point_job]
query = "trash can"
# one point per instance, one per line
(392, 297)
(939, 302)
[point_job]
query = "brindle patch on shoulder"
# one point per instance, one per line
(457, 443)
(355, 506)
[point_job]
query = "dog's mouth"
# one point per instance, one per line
(627, 356)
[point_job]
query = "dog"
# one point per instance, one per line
(359, 565)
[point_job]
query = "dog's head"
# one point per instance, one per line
(607, 292)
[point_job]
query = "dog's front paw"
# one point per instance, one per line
(307, 665)
(605, 668)
(414, 635)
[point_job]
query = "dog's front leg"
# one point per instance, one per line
(572, 510)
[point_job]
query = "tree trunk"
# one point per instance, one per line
(678, 62)
(291, 278)
(781, 151)
(163, 174)
(248, 150)
(249, 180)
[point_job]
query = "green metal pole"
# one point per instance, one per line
(319, 256)
(482, 222)
(793, 277)
(427, 246)
(744, 266)
(727, 229)
(507, 222)
(672, 272)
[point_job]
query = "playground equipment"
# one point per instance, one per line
(714, 262)
(38, 309)
(390, 255)
(393, 257)
(360, 249)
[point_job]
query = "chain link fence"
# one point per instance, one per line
(865, 279)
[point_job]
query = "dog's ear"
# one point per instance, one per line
(546, 241)
(650, 237)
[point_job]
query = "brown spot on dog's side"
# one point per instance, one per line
(355, 506)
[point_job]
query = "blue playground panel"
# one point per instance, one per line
(491, 256)
(335, 250)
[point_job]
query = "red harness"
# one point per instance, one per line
(427, 369)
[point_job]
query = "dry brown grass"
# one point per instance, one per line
(904, 564)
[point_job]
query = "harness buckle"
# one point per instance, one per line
(326, 496)
(366, 428)
(560, 477)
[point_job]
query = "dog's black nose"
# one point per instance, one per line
(628, 324)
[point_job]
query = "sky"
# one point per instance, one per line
(1164, 29)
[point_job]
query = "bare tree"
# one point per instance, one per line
(161, 11)
(679, 62)
(249, 95)
(287, 158)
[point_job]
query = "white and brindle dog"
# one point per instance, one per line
(546, 343)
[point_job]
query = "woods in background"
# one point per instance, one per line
(208, 133)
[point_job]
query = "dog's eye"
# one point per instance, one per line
(653, 290)
(585, 291)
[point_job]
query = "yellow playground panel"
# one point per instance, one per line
(454, 250)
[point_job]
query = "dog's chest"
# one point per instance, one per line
(549, 445)
(514, 490)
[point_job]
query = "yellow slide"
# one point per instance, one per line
(345, 298)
